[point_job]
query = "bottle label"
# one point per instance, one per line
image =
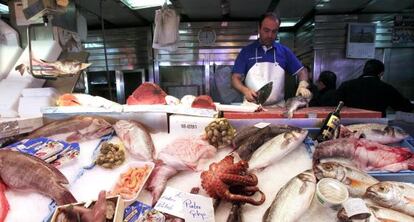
(333, 122)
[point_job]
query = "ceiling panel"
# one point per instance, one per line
(340, 6)
(201, 9)
(389, 6)
(148, 13)
(248, 8)
(294, 8)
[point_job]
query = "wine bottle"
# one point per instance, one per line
(330, 124)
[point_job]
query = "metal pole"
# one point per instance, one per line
(108, 77)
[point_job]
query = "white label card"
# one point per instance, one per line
(261, 125)
(191, 207)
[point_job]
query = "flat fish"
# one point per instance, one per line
(293, 199)
(24, 172)
(79, 128)
(380, 133)
(276, 148)
(136, 139)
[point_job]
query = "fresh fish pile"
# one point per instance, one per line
(294, 103)
(79, 128)
(293, 199)
(356, 181)
(395, 195)
(365, 154)
(378, 214)
(379, 133)
(276, 148)
(24, 172)
(136, 139)
(53, 69)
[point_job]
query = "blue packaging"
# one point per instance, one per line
(135, 210)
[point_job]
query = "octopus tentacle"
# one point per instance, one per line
(250, 180)
(242, 198)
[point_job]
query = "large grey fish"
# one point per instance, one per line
(395, 195)
(276, 148)
(294, 103)
(136, 139)
(380, 133)
(79, 128)
(24, 172)
(356, 180)
(53, 69)
(293, 199)
(378, 214)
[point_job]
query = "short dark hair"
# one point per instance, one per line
(271, 15)
(328, 78)
(373, 67)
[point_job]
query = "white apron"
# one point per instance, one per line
(261, 73)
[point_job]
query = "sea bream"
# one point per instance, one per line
(367, 155)
(293, 199)
(356, 181)
(74, 129)
(136, 139)
(276, 148)
(379, 133)
(378, 214)
(395, 195)
(24, 172)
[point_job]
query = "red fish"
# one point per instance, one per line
(4, 204)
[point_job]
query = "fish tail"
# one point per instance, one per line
(65, 197)
(21, 68)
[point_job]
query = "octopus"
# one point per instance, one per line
(230, 181)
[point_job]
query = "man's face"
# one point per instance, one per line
(268, 31)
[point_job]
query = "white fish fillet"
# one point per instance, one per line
(136, 139)
(276, 148)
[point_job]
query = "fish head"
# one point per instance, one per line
(307, 176)
(396, 132)
(382, 192)
(330, 170)
(296, 135)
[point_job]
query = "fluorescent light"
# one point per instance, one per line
(4, 9)
(139, 4)
(287, 24)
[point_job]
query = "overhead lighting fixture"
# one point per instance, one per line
(287, 24)
(320, 5)
(326, 1)
(4, 9)
(140, 4)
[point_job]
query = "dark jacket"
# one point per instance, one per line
(325, 97)
(369, 92)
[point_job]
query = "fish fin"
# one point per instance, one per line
(85, 65)
(65, 197)
(302, 188)
(21, 68)
(409, 199)
(266, 214)
(354, 183)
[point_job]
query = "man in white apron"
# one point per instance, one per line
(263, 61)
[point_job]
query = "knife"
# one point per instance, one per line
(264, 93)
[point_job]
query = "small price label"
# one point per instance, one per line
(261, 125)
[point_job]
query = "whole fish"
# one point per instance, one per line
(356, 181)
(136, 139)
(293, 199)
(53, 69)
(158, 180)
(380, 133)
(24, 172)
(294, 103)
(378, 214)
(246, 149)
(80, 128)
(277, 148)
(395, 195)
(367, 155)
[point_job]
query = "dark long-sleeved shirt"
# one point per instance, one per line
(369, 92)
(325, 97)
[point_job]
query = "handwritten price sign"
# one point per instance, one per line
(191, 207)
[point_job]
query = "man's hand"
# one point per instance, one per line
(303, 89)
(96, 214)
(249, 94)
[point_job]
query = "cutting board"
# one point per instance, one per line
(315, 112)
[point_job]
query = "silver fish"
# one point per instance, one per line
(378, 214)
(380, 133)
(276, 148)
(24, 172)
(294, 103)
(395, 195)
(80, 128)
(356, 180)
(136, 139)
(53, 69)
(293, 199)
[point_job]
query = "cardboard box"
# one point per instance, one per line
(119, 209)
(188, 125)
